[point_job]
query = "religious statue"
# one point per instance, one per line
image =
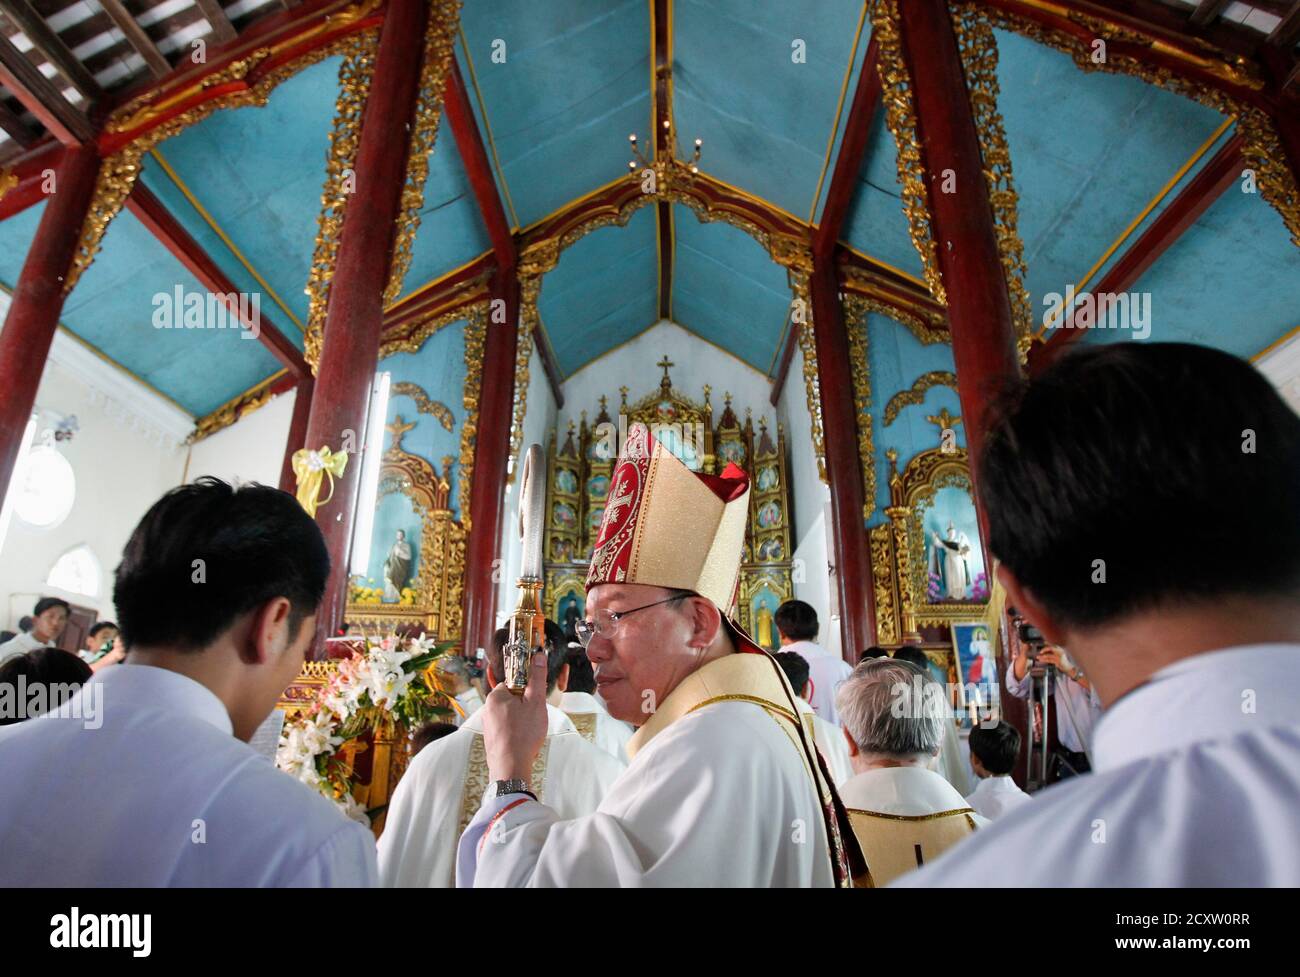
(948, 560)
(397, 568)
(763, 625)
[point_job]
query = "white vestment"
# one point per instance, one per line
(471, 702)
(716, 795)
(995, 796)
(20, 644)
(825, 673)
(952, 763)
(595, 723)
(161, 794)
(906, 791)
(445, 784)
(835, 748)
(1195, 782)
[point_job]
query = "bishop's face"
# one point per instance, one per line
(647, 654)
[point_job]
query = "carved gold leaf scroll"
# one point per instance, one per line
(423, 404)
(475, 337)
(915, 395)
(856, 308)
(528, 321)
(808, 347)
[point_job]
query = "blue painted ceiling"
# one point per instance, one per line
(557, 87)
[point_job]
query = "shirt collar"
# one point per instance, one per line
(165, 690)
(1210, 696)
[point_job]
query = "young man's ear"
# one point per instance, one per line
(1024, 601)
(268, 631)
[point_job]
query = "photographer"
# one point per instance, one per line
(1074, 704)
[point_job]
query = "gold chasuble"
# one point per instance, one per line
(894, 844)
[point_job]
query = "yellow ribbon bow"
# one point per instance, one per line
(311, 467)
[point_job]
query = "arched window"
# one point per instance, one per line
(76, 571)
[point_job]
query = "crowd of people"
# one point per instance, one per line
(1141, 504)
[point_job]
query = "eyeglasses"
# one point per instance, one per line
(606, 622)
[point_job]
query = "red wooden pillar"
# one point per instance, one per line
(297, 431)
(354, 317)
(38, 300)
(843, 466)
(979, 308)
(491, 456)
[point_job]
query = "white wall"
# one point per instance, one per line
(251, 449)
(811, 503)
(1282, 366)
(539, 419)
(696, 363)
(125, 455)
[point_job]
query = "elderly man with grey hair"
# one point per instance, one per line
(903, 813)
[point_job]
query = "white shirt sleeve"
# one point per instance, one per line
(345, 860)
(1020, 689)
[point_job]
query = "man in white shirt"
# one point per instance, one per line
(145, 777)
(443, 787)
(48, 621)
(1072, 702)
(797, 624)
(829, 737)
(587, 712)
(993, 752)
(1141, 502)
(903, 813)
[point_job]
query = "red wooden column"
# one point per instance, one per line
(979, 308)
(38, 300)
(297, 431)
(355, 314)
(843, 468)
(491, 455)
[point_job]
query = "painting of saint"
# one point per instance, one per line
(598, 486)
(975, 663)
(565, 481)
(771, 549)
(733, 451)
(564, 516)
(767, 478)
(769, 515)
(561, 550)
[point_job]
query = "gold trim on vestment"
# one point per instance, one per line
(785, 714)
(476, 783)
(912, 817)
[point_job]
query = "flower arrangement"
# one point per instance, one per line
(980, 588)
(375, 595)
(389, 680)
(934, 590)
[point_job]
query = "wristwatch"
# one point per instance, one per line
(516, 786)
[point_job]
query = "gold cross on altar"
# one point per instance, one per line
(397, 429)
(665, 364)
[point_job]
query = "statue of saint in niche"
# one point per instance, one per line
(397, 568)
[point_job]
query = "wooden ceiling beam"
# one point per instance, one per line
(853, 152)
(1207, 11)
(215, 14)
(1288, 29)
(160, 222)
(41, 97)
(13, 125)
(136, 37)
(24, 16)
(1221, 172)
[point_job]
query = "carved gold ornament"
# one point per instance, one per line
(424, 404)
(811, 382)
(928, 325)
(856, 309)
(439, 38)
(8, 180)
(979, 55)
(475, 338)
(234, 409)
(900, 116)
(916, 394)
(529, 319)
(340, 175)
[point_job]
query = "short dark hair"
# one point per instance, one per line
(997, 747)
(557, 651)
(429, 733)
(914, 656)
(875, 651)
(582, 677)
(797, 621)
(45, 603)
(43, 666)
(255, 543)
(795, 667)
(100, 626)
(1119, 447)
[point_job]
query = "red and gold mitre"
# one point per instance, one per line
(668, 526)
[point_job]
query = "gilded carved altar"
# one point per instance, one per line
(580, 465)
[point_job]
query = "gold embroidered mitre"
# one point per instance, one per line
(668, 526)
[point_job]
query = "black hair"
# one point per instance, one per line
(208, 552)
(101, 626)
(795, 667)
(913, 656)
(43, 666)
(797, 621)
(25, 623)
(875, 651)
(582, 677)
(1167, 470)
(997, 747)
(45, 603)
(428, 733)
(557, 651)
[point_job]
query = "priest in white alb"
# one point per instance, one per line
(444, 784)
(725, 787)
